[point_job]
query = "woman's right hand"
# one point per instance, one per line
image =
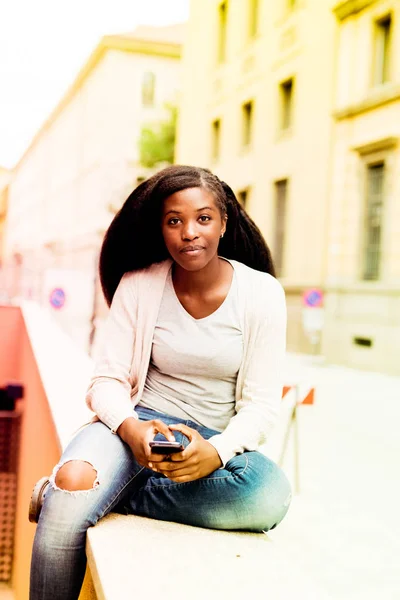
(139, 434)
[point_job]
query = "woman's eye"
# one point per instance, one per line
(204, 218)
(173, 221)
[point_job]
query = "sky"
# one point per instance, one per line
(43, 45)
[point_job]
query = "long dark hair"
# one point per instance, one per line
(134, 239)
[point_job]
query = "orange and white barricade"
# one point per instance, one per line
(294, 395)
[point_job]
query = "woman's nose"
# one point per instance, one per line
(189, 231)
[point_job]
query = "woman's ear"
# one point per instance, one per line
(223, 228)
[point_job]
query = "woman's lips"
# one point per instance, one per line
(192, 250)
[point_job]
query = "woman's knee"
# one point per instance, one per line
(76, 475)
(272, 494)
(71, 502)
(264, 493)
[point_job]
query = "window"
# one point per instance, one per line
(280, 219)
(216, 139)
(373, 221)
(243, 196)
(286, 97)
(222, 23)
(247, 123)
(381, 71)
(253, 18)
(148, 89)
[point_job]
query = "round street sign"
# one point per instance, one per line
(57, 298)
(313, 298)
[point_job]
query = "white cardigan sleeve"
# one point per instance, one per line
(258, 406)
(109, 393)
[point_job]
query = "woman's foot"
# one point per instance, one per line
(35, 505)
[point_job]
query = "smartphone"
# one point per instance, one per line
(166, 447)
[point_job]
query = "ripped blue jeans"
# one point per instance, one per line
(251, 493)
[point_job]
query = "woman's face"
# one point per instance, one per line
(192, 225)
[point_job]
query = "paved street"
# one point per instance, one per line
(343, 529)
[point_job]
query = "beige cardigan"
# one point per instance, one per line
(121, 368)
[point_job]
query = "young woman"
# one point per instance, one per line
(192, 352)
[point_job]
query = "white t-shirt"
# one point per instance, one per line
(195, 362)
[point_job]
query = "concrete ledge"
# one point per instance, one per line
(133, 557)
(130, 556)
(64, 369)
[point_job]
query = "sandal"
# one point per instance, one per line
(35, 505)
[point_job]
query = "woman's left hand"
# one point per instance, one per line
(198, 459)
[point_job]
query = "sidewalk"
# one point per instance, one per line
(342, 531)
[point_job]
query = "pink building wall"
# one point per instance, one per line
(39, 447)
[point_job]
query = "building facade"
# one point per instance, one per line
(262, 92)
(363, 276)
(297, 107)
(81, 166)
(4, 179)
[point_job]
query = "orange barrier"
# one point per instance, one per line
(304, 395)
(309, 398)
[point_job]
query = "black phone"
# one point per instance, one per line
(166, 447)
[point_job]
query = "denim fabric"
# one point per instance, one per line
(251, 493)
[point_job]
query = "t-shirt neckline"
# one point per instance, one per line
(223, 303)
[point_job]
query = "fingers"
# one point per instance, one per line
(160, 462)
(155, 458)
(160, 427)
(182, 460)
(187, 431)
(187, 473)
(166, 466)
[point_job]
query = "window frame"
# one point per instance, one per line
(247, 129)
(253, 19)
(216, 139)
(382, 51)
(371, 162)
(222, 31)
(150, 104)
(280, 232)
(283, 96)
(239, 194)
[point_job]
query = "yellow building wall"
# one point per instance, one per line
(339, 118)
(299, 44)
(366, 129)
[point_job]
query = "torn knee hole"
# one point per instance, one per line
(75, 476)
